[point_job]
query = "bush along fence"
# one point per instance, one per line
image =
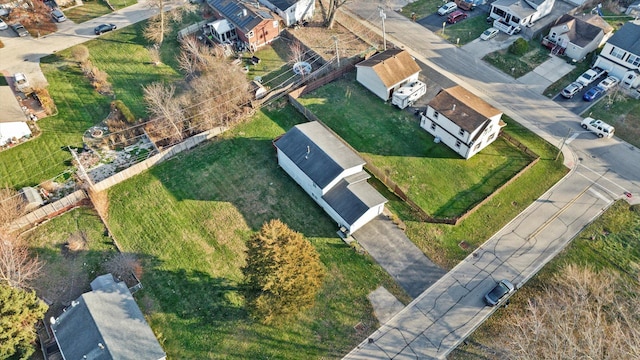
(382, 176)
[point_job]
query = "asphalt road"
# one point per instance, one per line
(602, 170)
(577, 104)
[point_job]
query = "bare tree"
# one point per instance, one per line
(157, 26)
(331, 11)
(12, 206)
(296, 52)
(582, 314)
(165, 107)
(17, 267)
(122, 265)
(228, 89)
(194, 56)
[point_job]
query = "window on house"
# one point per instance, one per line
(433, 125)
(250, 34)
(458, 143)
(634, 60)
(515, 20)
(619, 53)
(499, 12)
(461, 132)
(491, 137)
(477, 146)
(435, 114)
(275, 24)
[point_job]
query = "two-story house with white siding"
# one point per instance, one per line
(620, 56)
(462, 121)
(291, 11)
(387, 71)
(331, 173)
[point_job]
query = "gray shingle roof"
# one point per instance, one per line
(235, 12)
(106, 323)
(627, 38)
(353, 196)
(579, 31)
(517, 7)
(317, 152)
(283, 4)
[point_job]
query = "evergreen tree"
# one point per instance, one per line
(283, 273)
(19, 312)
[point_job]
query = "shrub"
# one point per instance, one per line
(124, 110)
(519, 47)
(80, 53)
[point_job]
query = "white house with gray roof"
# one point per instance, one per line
(620, 56)
(331, 173)
(105, 323)
(291, 11)
(510, 16)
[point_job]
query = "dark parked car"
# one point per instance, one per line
(571, 89)
(456, 16)
(592, 94)
(20, 30)
(103, 28)
(499, 292)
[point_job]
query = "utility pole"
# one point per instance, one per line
(335, 40)
(384, 33)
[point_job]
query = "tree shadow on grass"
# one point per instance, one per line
(244, 172)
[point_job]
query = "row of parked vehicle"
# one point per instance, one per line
(586, 79)
(454, 11)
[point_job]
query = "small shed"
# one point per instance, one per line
(32, 198)
(13, 130)
(387, 71)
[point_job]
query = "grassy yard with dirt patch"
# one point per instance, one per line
(441, 182)
(190, 218)
(422, 8)
(464, 31)
(516, 65)
(94, 8)
(622, 112)
(73, 247)
(611, 242)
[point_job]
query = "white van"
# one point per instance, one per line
(598, 127)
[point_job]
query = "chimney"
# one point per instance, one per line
(453, 108)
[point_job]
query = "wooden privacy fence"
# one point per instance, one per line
(50, 210)
(156, 159)
(381, 175)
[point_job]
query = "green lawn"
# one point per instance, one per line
(432, 175)
(622, 112)
(611, 242)
(422, 8)
(273, 66)
(192, 234)
(92, 9)
(464, 31)
(516, 65)
(67, 274)
(123, 55)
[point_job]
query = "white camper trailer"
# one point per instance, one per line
(407, 94)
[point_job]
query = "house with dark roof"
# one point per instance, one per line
(387, 71)
(291, 11)
(254, 26)
(462, 121)
(105, 323)
(331, 173)
(577, 36)
(620, 56)
(510, 16)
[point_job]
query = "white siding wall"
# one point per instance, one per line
(304, 9)
(369, 79)
(368, 216)
(447, 131)
(344, 174)
(300, 177)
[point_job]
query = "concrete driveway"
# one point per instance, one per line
(391, 248)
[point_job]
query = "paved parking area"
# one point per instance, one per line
(393, 250)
